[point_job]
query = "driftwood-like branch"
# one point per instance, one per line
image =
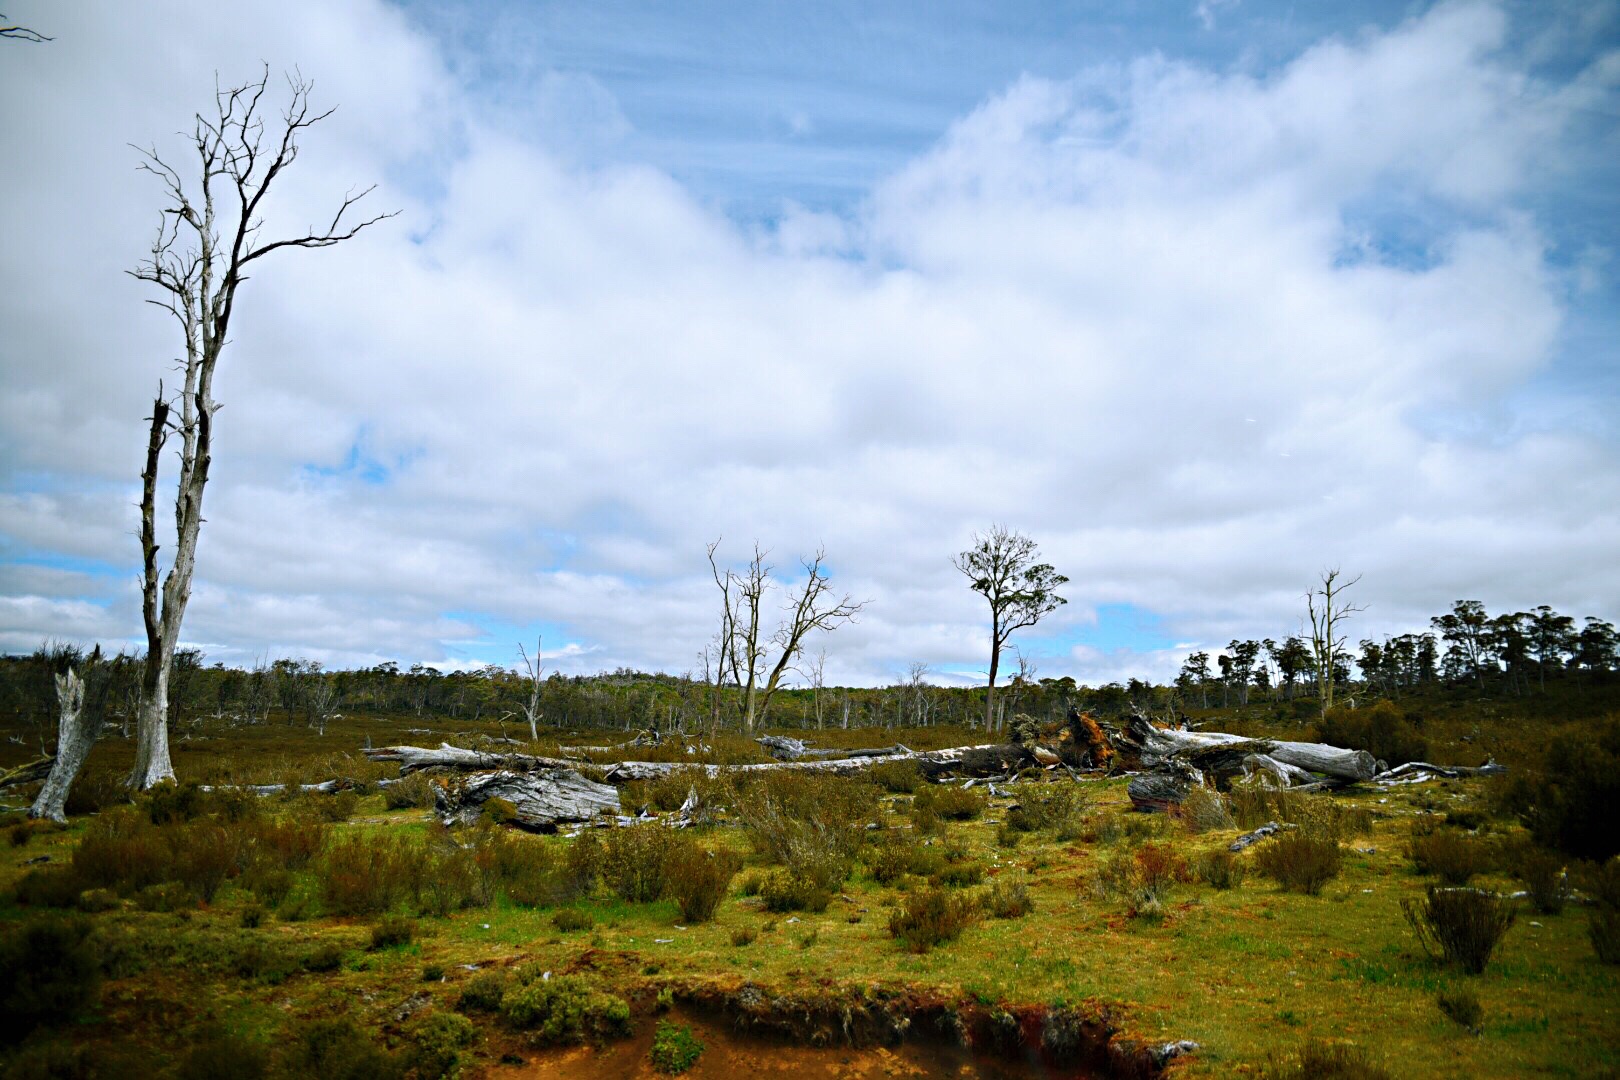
(415, 758)
(785, 749)
(30, 773)
(1414, 772)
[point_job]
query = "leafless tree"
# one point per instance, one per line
(20, 33)
(816, 673)
(746, 647)
(1326, 608)
(208, 235)
(532, 671)
(919, 693)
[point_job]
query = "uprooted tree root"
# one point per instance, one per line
(1080, 1041)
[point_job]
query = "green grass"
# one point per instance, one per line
(1246, 972)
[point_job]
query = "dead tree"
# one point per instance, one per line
(13, 32)
(77, 729)
(1326, 608)
(208, 235)
(745, 646)
(531, 710)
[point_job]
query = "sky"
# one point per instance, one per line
(1205, 297)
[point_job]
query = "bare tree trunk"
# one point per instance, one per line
(76, 733)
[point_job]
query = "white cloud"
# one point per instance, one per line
(569, 378)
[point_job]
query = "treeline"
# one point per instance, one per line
(1466, 649)
(1509, 653)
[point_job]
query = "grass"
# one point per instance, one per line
(1221, 966)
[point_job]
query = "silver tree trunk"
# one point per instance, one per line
(75, 734)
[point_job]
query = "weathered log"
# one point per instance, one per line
(1255, 837)
(76, 733)
(1165, 787)
(541, 801)
(1414, 772)
(1287, 775)
(986, 760)
(33, 772)
(1157, 744)
(414, 758)
(784, 748)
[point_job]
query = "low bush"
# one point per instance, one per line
(1143, 878)
(1603, 924)
(785, 890)
(1542, 874)
(1459, 926)
(674, 1048)
(413, 791)
(437, 1046)
(900, 777)
(325, 956)
(950, 802)
(337, 1048)
(930, 917)
(1203, 810)
(252, 917)
(219, 1052)
(1382, 730)
(1321, 1061)
(698, 878)
(744, 935)
(1219, 868)
(1461, 1007)
(1056, 808)
(484, 991)
(454, 881)
(49, 887)
(392, 930)
(1565, 800)
(1007, 899)
(569, 920)
(50, 972)
(1448, 854)
(1253, 804)
(168, 802)
(810, 823)
(635, 861)
(368, 875)
(1300, 861)
(957, 873)
(564, 1009)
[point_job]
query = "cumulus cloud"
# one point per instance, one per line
(1151, 315)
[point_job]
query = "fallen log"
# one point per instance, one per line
(540, 801)
(787, 749)
(1157, 744)
(415, 758)
(32, 772)
(1415, 772)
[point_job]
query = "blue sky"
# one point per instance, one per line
(1206, 297)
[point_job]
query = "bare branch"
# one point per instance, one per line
(21, 33)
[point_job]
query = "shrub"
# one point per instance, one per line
(338, 1049)
(1382, 730)
(1566, 801)
(50, 971)
(1543, 876)
(951, 803)
(1459, 926)
(1448, 854)
(1603, 924)
(569, 920)
(483, 992)
(674, 1048)
(1007, 900)
(900, 777)
(169, 896)
(1254, 804)
(1058, 808)
(437, 1045)
(1144, 878)
(168, 802)
(122, 851)
(1219, 868)
(270, 884)
(698, 878)
(784, 890)
(289, 844)
(326, 956)
(252, 917)
(1203, 810)
(392, 930)
(1319, 1061)
(202, 856)
(219, 1053)
(1461, 1007)
(930, 917)
(1301, 861)
(958, 872)
(413, 791)
(49, 886)
(453, 882)
(810, 823)
(366, 875)
(744, 935)
(568, 1008)
(635, 861)
(582, 866)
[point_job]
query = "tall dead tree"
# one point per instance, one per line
(531, 709)
(207, 237)
(1326, 608)
(746, 647)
